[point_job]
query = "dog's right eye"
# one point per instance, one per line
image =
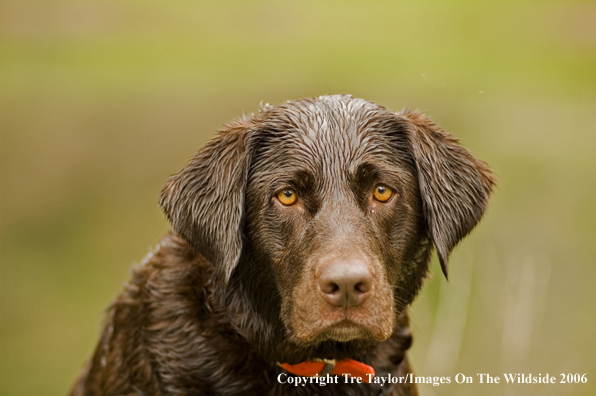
(287, 197)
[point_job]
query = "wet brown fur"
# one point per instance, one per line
(231, 289)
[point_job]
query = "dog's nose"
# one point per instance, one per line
(345, 283)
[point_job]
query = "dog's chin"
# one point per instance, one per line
(343, 331)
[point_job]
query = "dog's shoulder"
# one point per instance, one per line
(166, 289)
(166, 331)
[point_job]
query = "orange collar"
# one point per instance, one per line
(312, 368)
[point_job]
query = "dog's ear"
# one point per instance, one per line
(454, 185)
(205, 200)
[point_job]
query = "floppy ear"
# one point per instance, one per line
(454, 185)
(205, 200)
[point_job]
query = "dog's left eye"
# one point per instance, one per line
(287, 197)
(382, 193)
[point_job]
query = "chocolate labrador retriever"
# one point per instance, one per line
(299, 237)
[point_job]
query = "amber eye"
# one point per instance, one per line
(382, 193)
(287, 197)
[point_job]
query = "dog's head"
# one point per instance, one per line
(325, 211)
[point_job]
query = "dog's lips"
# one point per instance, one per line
(344, 330)
(344, 327)
(343, 323)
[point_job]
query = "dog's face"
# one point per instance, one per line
(331, 205)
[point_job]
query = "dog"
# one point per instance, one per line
(299, 236)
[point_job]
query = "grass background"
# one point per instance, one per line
(101, 101)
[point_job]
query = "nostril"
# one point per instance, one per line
(363, 287)
(329, 288)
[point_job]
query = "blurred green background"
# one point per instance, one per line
(101, 101)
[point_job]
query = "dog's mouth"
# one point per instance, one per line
(345, 328)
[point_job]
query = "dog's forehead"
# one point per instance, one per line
(331, 131)
(330, 117)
